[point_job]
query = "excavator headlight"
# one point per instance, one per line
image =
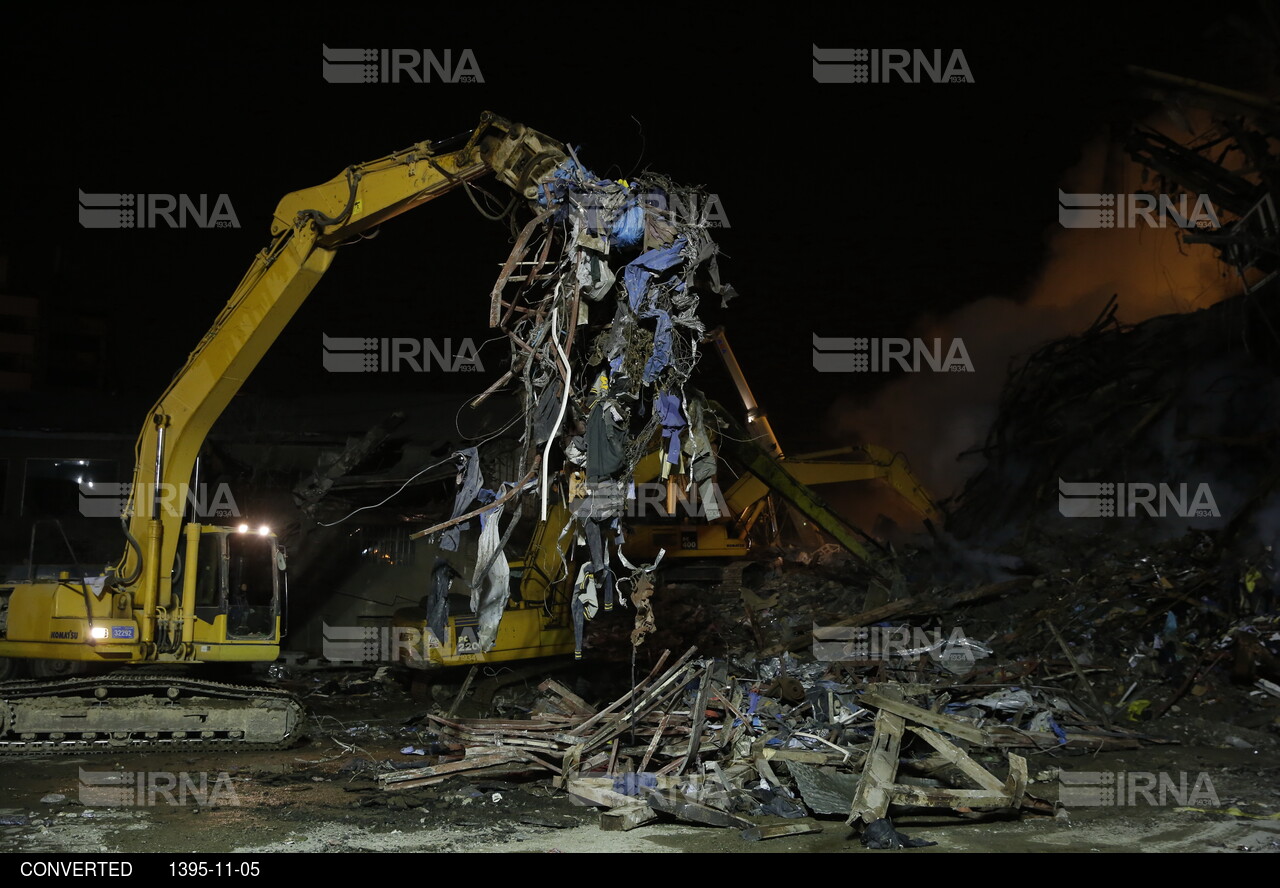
(98, 632)
(264, 530)
(243, 528)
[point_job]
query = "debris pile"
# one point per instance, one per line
(1173, 418)
(695, 742)
(1049, 619)
(599, 298)
(840, 689)
(1128, 629)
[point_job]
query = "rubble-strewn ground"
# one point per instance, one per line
(320, 797)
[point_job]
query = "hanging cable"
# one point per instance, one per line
(389, 497)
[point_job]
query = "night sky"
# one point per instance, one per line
(852, 208)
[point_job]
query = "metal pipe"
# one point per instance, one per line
(757, 421)
(187, 604)
(159, 468)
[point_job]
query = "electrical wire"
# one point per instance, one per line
(563, 404)
(389, 496)
(492, 217)
(483, 440)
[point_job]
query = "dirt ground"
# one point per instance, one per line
(321, 797)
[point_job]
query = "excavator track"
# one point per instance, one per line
(112, 713)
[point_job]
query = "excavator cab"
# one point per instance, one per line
(239, 586)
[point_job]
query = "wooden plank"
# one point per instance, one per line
(734, 708)
(958, 757)
(490, 741)
(1016, 786)
(725, 785)
(692, 812)
(575, 703)
(1007, 737)
(779, 830)
(765, 770)
(944, 723)
(391, 781)
(483, 725)
(669, 686)
(461, 518)
(569, 764)
(627, 817)
(508, 769)
(626, 698)
(875, 789)
(653, 744)
(594, 794)
(729, 734)
(1009, 794)
(931, 797)
(699, 717)
(526, 755)
(808, 756)
(669, 767)
(589, 764)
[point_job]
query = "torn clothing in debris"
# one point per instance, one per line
(668, 409)
(437, 604)
(606, 443)
(469, 484)
(880, 835)
(491, 587)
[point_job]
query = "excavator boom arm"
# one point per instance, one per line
(308, 226)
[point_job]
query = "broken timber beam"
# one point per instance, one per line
(779, 830)
(627, 817)
(575, 703)
(939, 722)
(875, 788)
(692, 812)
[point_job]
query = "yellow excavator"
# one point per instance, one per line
(187, 593)
(768, 476)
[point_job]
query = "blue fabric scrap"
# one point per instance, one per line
(673, 421)
(639, 271)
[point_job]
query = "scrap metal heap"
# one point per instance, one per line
(599, 299)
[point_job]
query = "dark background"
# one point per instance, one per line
(853, 209)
